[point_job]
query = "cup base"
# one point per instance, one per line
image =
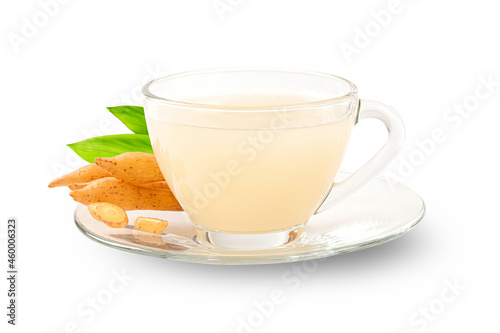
(247, 242)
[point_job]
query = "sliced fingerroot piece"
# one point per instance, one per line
(87, 173)
(112, 215)
(133, 167)
(150, 224)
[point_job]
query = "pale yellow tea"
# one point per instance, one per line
(254, 172)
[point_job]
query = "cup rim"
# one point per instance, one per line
(225, 108)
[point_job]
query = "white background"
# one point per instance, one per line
(429, 56)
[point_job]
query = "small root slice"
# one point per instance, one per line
(149, 224)
(112, 215)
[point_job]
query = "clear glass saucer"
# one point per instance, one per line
(381, 211)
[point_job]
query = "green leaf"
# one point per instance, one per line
(132, 116)
(111, 145)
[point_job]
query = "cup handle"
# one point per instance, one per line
(394, 143)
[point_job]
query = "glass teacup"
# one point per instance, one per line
(252, 154)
